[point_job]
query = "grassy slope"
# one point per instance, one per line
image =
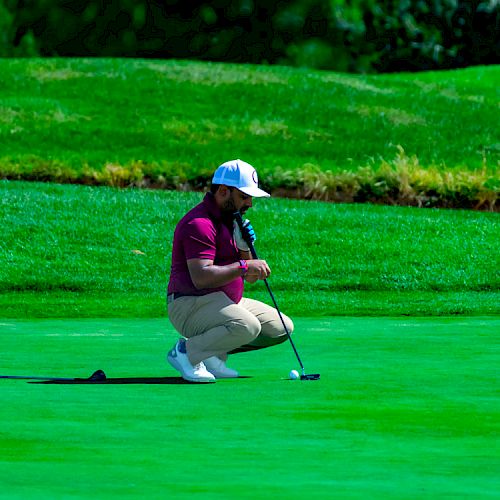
(68, 251)
(192, 116)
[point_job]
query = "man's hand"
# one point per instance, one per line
(248, 235)
(204, 274)
(257, 270)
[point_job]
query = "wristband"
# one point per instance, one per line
(243, 267)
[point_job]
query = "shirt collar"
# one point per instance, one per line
(212, 207)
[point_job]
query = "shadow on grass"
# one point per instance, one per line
(124, 381)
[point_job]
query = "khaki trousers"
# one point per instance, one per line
(215, 326)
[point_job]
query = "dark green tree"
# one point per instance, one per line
(343, 35)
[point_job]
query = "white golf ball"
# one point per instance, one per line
(294, 375)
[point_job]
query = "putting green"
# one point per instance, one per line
(405, 408)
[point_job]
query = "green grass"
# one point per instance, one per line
(121, 122)
(405, 409)
(68, 251)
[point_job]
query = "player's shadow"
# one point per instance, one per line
(125, 381)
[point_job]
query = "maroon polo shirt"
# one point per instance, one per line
(202, 234)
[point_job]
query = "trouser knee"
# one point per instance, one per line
(289, 325)
(246, 330)
(275, 328)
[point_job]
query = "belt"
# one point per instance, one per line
(175, 295)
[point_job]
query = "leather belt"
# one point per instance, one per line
(176, 295)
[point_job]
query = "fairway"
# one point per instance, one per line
(405, 408)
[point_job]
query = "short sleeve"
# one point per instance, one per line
(200, 239)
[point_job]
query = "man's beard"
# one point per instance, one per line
(228, 209)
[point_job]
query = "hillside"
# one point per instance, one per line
(315, 134)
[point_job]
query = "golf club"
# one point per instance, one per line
(97, 376)
(303, 376)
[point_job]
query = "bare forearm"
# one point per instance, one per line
(212, 276)
(204, 274)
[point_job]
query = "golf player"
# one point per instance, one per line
(210, 263)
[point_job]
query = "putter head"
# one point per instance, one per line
(310, 376)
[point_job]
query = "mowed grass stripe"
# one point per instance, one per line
(405, 407)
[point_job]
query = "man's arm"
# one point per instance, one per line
(246, 255)
(204, 274)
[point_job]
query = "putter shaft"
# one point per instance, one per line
(239, 221)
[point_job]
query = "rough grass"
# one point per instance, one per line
(79, 251)
(427, 139)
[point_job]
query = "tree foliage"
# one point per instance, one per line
(343, 35)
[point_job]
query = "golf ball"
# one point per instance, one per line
(294, 375)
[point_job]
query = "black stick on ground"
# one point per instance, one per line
(304, 376)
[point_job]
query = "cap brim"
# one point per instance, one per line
(255, 192)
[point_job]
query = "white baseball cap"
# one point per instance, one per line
(241, 175)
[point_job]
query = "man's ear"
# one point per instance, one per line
(223, 191)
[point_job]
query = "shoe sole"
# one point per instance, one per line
(223, 375)
(174, 364)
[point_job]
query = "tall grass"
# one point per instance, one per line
(399, 181)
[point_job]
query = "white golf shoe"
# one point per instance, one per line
(178, 358)
(218, 368)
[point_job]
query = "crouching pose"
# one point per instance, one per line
(210, 263)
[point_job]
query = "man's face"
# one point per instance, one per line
(237, 201)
